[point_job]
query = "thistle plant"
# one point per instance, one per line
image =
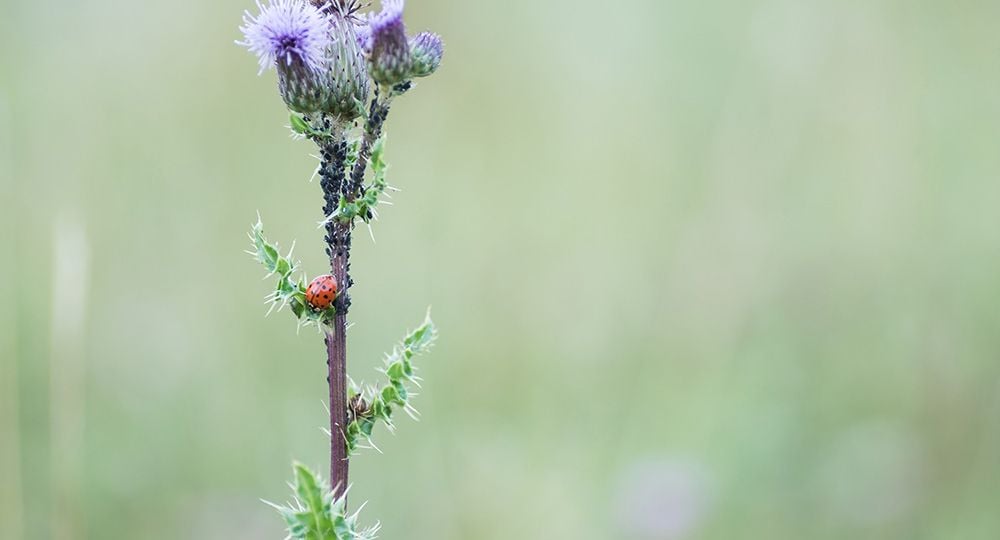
(340, 66)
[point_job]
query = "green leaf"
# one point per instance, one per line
(309, 491)
(422, 338)
(299, 125)
(377, 408)
(316, 515)
(399, 370)
(297, 308)
(390, 395)
(341, 529)
(377, 160)
(366, 427)
(362, 109)
(395, 371)
(353, 151)
(283, 267)
(287, 290)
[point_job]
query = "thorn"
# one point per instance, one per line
(271, 504)
(413, 413)
(327, 220)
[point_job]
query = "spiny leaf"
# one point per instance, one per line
(307, 488)
(381, 401)
(316, 515)
(287, 291)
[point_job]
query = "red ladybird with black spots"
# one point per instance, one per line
(321, 292)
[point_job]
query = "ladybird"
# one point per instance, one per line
(321, 292)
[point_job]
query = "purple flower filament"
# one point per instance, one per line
(292, 31)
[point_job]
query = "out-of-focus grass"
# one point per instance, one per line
(702, 270)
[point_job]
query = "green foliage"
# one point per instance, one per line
(375, 404)
(300, 126)
(314, 514)
(288, 291)
(353, 152)
(363, 206)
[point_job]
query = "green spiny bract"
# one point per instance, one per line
(315, 514)
(288, 291)
(305, 91)
(427, 50)
(372, 404)
(348, 70)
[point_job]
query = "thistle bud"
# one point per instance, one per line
(304, 91)
(427, 49)
(348, 70)
(293, 36)
(390, 57)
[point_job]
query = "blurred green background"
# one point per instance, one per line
(704, 270)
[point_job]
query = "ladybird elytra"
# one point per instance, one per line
(321, 292)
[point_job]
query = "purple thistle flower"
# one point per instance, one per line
(289, 31)
(295, 36)
(364, 34)
(389, 20)
(428, 49)
(390, 50)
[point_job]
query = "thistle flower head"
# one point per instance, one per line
(427, 49)
(289, 32)
(364, 33)
(390, 19)
(348, 69)
(390, 50)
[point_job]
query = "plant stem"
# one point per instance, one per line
(377, 113)
(336, 182)
(336, 353)
(336, 360)
(338, 241)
